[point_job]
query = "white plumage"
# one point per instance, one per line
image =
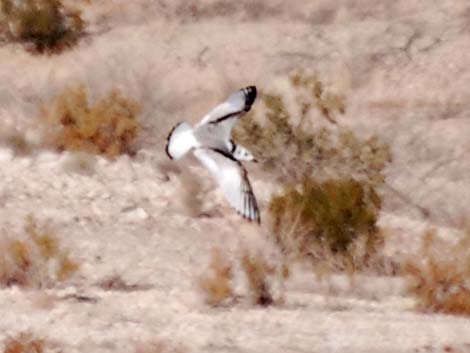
(212, 146)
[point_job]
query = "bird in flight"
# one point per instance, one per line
(211, 144)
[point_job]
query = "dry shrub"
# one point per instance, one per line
(296, 136)
(25, 343)
(34, 260)
(216, 285)
(329, 204)
(440, 274)
(333, 220)
(17, 142)
(45, 25)
(258, 272)
(107, 127)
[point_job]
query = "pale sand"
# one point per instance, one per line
(403, 67)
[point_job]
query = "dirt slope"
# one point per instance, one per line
(403, 67)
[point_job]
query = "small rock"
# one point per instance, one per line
(136, 215)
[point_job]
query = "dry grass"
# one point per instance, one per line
(216, 285)
(440, 274)
(45, 26)
(259, 274)
(25, 343)
(108, 127)
(35, 259)
(17, 142)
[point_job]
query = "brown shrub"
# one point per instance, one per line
(439, 276)
(34, 260)
(258, 271)
(44, 25)
(25, 343)
(108, 127)
(332, 221)
(17, 142)
(217, 285)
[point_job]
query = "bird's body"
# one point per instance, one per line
(211, 144)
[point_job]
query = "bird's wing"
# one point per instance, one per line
(220, 120)
(232, 179)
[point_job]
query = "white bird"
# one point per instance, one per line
(211, 144)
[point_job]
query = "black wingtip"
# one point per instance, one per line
(250, 93)
(168, 152)
(168, 140)
(256, 219)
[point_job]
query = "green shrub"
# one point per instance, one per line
(45, 24)
(108, 127)
(318, 219)
(330, 176)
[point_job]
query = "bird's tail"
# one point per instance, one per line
(180, 141)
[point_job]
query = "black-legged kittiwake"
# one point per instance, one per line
(211, 144)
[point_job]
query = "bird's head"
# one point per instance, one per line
(242, 154)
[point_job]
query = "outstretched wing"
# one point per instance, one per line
(232, 179)
(219, 122)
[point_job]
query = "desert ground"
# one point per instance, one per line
(404, 68)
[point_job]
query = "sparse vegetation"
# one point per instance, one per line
(259, 273)
(35, 259)
(44, 25)
(216, 285)
(17, 142)
(324, 219)
(25, 342)
(440, 274)
(292, 140)
(329, 205)
(108, 127)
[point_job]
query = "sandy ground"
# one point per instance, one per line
(403, 67)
